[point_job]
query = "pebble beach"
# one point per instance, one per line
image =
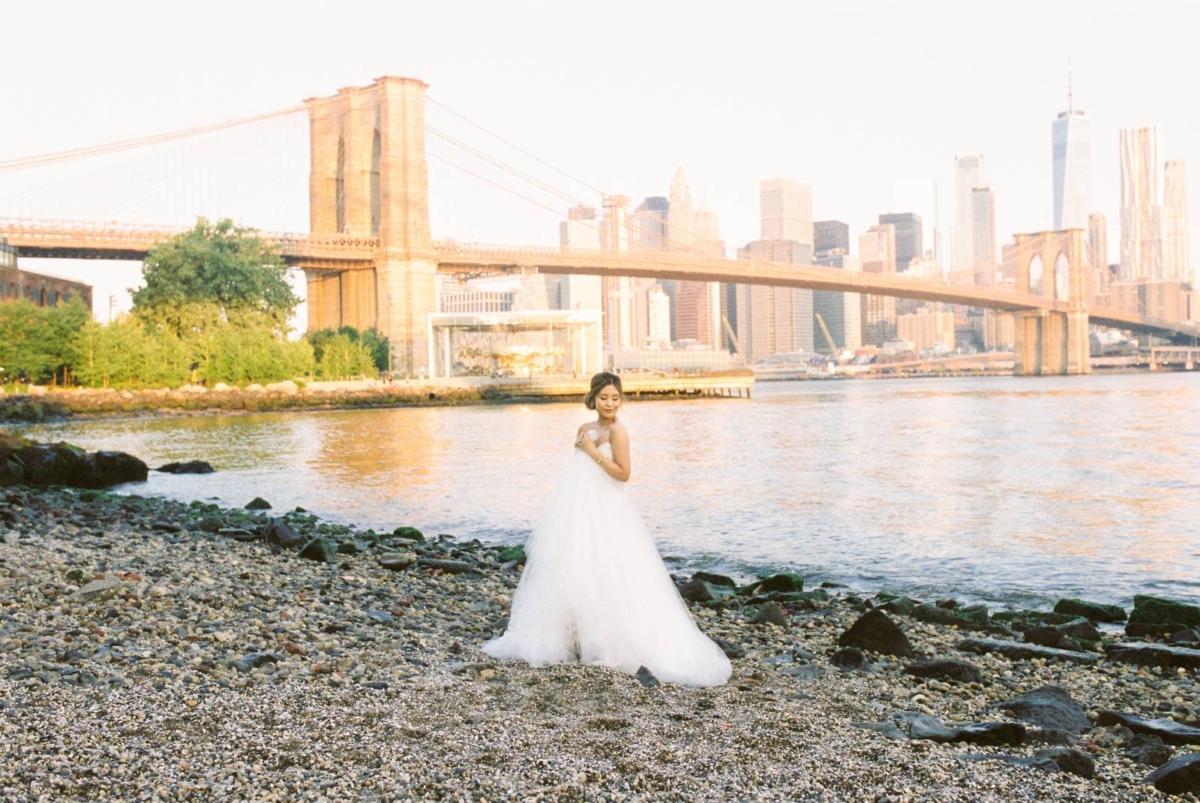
(151, 650)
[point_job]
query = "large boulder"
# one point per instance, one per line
(1050, 708)
(1154, 616)
(106, 469)
(1093, 611)
(188, 467)
(876, 632)
(1179, 775)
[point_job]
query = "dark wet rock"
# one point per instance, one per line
(942, 669)
(1154, 616)
(885, 729)
(1045, 636)
(512, 554)
(448, 566)
(12, 470)
(1070, 759)
(322, 550)
(849, 659)
(106, 469)
(409, 534)
(166, 527)
(992, 733)
(715, 579)
(253, 660)
(1153, 655)
(210, 524)
(348, 548)
(1178, 776)
(876, 632)
(258, 503)
(898, 605)
(1149, 750)
(972, 618)
(784, 581)
(188, 467)
(645, 677)
(378, 685)
(1044, 764)
(1050, 707)
(696, 591)
(1093, 611)
(1051, 736)
(924, 726)
(1186, 636)
(278, 531)
(948, 604)
(770, 614)
(1168, 730)
(1081, 628)
(730, 649)
(239, 534)
(1018, 651)
(397, 561)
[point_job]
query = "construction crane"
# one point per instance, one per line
(732, 337)
(833, 349)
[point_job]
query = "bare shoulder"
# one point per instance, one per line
(618, 431)
(584, 427)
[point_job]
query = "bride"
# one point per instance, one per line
(594, 588)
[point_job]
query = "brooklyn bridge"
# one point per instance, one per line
(370, 260)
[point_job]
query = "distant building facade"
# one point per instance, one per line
(1141, 207)
(840, 312)
(42, 290)
(580, 232)
(830, 237)
(1071, 154)
(1177, 264)
(877, 253)
(968, 174)
(909, 240)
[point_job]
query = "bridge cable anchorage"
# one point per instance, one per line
(139, 142)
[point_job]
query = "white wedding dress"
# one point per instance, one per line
(595, 589)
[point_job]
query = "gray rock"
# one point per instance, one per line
(397, 561)
(1044, 764)
(992, 733)
(1094, 611)
(804, 672)
(1168, 730)
(1147, 749)
(730, 649)
(770, 614)
(101, 589)
(715, 579)
(645, 677)
(924, 726)
(1178, 776)
(258, 503)
(278, 531)
(1049, 707)
(957, 671)
(1019, 651)
(253, 660)
(849, 658)
(1070, 759)
(1153, 655)
(210, 524)
(380, 617)
(321, 550)
(876, 632)
(696, 591)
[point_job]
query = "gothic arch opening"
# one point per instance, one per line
(1036, 269)
(1062, 278)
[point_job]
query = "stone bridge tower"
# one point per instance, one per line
(1052, 264)
(368, 178)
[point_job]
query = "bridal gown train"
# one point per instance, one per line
(595, 589)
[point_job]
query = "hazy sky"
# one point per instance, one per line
(848, 97)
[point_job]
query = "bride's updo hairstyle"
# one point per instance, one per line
(599, 382)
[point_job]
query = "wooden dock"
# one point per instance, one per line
(726, 384)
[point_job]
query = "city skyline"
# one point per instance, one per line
(990, 102)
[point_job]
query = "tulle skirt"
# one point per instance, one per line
(595, 590)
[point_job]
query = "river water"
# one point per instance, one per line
(1005, 490)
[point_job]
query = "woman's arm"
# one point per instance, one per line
(619, 465)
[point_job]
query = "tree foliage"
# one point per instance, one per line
(37, 343)
(215, 273)
(347, 352)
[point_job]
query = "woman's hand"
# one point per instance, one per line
(582, 441)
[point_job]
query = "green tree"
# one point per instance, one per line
(63, 324)
(215, 272)
(375, 344)
(343, 357)
(25, 350)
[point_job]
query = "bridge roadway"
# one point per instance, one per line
(336, 252)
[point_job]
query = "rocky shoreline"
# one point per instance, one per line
(151, 650)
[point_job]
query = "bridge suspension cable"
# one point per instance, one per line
(129, 144)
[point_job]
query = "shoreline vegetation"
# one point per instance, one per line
(155, 650)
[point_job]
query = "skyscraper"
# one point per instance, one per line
(920, 195)
(909, 241)
(983, 235)
(1098, 254)
(1071, 153)
(1176, 242)
(619, 310)
(1141, 204)
(649, 230)
(698, 308)
(830, 237)
(877, 252)
(580, 232)
(968, 174)
(786, 208)
(841, 313)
